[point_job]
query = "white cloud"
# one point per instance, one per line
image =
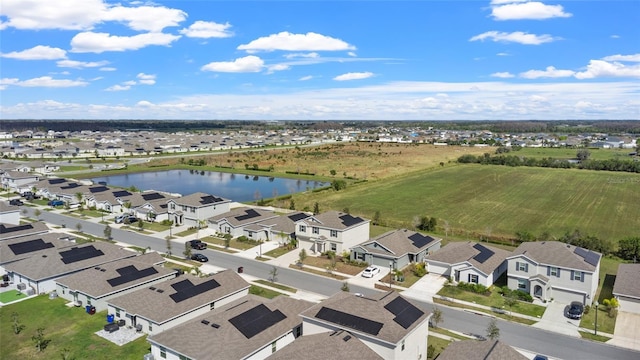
(311, 55)
(44, 14)
(146, 79)
(503, 75)
(631, 58)
(600, 68)
(517, 37)
(287, 41)
(39, 52)
(614, 36)
(101, 42)
(118, 88)
(533, 10)
(207, 29)
(305, 78)
(129, 83)
(503, 54)
(249, 63)
(502, 2)
(549, 72)
(353, 76)
(80, 64)
(352, 54)
(44, 81)
(277, 67)
(145, 18)
(107, 69)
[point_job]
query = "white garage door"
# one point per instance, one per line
(438, 269)
(564, 296)
(629, 305)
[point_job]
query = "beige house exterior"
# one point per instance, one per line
(331, 231)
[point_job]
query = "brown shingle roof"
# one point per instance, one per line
(555, 253)
(10, 231)
(399, 242)
(244, 215)
(480, 350)
(198, 340)
(458, 252)
(196, 199)
(334, 220)
(160, 307)
(43, 242)
(627, 283)
(323, 346)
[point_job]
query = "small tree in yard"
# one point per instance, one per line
(316, 208)
(17, 326)
(493, 332)
(302, 256)
(107, 232)
(273, 274)
(37, 213)
(436, 318)
(168, 247)
(345, 287)
(140, 224)
(187, 250)
(39, 340)
(227, 240)
(510, 300)
(79, 226)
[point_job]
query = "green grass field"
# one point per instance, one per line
(564, 153)
(498, 200)
(11, 295)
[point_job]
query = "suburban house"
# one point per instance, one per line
(95, 286)
(469, 262)
(9, 214)
(399, 247)
(281, 228)
(194, 208)
(236, 220)
(627, 288)
(390, 325)
(110, 200)
(327, 345)
(154, 309)
(18, 248)
(331, 231)
(18, 181)
(41, 270)
(11, 231)
(248, 328)
(480, 350)
(553, 270)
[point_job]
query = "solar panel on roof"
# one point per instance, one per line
(484, 254)
(29, 246)
(249, 214)
(350, 321)
(255, 320)
(152, 196)
(70, 186)
(121, 193)
(406, 314)
(98, 189)
(181, 285)
(78, 254)
(130, 273)
(592, 258)
(348, 220)
(4, 229)
(56, 181)
(193, 290)
(297, 216)
(580, 251)
(418, 240)
(209, 199)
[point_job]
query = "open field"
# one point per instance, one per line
(498, 200)
(565, 153)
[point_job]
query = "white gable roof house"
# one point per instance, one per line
(401, 247)
(193, 208)
(331, 231)
(235, 221)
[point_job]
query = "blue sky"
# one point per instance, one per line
(320, 60)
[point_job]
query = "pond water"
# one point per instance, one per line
(236, 187)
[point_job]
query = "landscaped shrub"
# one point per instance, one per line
(518, 294)
(418, 269)
(475, 288)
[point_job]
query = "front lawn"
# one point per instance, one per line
(277, 286)
(279, 251)
(66, 328)
(494, 300)
(606, 324)
(438, 344)
(234, 243)
(323, 262)
(11, 295)
(488, 312)
(264, 292)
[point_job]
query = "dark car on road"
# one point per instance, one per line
(55, 203)
(197, 244)
(199, 257)
(16, 202)
(575, 310)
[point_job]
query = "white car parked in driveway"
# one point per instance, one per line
(370, 271)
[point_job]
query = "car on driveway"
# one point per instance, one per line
(199, 257)
(575, 310)
(371, 271)
(541, 357)
(55, 203)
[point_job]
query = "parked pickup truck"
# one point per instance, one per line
(197, 244)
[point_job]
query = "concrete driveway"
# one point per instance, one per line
(627, 331)
(425, 288)
(554, 319)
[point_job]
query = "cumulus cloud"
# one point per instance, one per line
(600, 68)
(631, 58)
(107, 69)
(305, 78)
(311, 55)
(206, 30)
(145, 18)
(277, 67)
(517, 37)
(44, 81)
(549, 72)
(146, 79)
(101, 42)
(80, 64)
(533, 10)
(249, 63)
(353, 76)
(118, 88)
(39, 52)
(503, 75)
(287, 41)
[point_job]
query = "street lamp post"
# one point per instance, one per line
(596, 327)
(390, 271)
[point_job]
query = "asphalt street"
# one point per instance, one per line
(521, 336)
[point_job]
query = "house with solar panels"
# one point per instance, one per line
(390, 325)
(107, 199)
(248, 328)
(150, 205)
(192, 209)
(10, 231)
(154, 309)
(327, 345)
(40, 270)
(281, 229)
(18, 181)
(97, 285)
(18, 248)
(554, 270)
(236, 220)
(331, 231)
(398, 247)
(469, 262)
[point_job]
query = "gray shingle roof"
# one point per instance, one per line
(284, 223)
(327, 345)
(400, 243)
(480, 350)
(9, 231)
(7, 254)
(334, 220)
(627, 283)
(555, 253)
(372, 309)
(196, 199)
(160, 307)
(244, 215)
(458, 252)
(197, 340)
(95, 282)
